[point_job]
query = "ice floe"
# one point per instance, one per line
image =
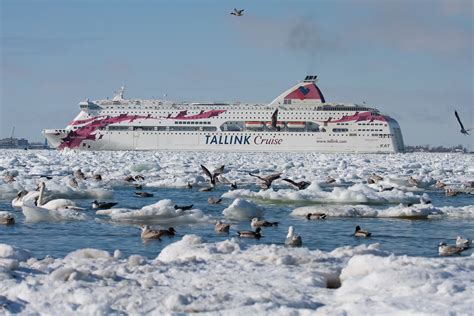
(162, 211)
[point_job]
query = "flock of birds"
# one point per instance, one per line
(35, 200)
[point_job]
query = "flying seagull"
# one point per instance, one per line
(237, 12)
(267, 180)
(213, 176)
(300, 185)
(463, 130)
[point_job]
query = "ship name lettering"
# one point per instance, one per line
(259, 140)
(228, 140)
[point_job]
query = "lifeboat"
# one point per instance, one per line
(279, 124)
(253, 125)
(296, 125)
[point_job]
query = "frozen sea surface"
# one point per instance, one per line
(83, 261)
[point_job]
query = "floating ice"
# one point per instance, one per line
(358, 193)
(416, 211)
(243, 209)
(161, 212)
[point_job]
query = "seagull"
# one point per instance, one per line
(73, 183)
(292, 239)
(300, 185)
(144, 194)
(221, 227)
(167, 232)
(463, 130)
(257, 223)
(8, 178)
(274, 120)
(445, 250)
(7, 219)
(184, 207)
(222, 179)
(374, 178)
(103, 205)
(250, 234)
(440, 184)
(267, 180)
(97, 177)
(463, 242)
(212, 200)
(237, 12)
(361, 233)
(147, 233)
(413, 182)
(213, 176)
(316, 216)
(330, 180)
(79, 175)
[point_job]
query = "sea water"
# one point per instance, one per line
(350, 201)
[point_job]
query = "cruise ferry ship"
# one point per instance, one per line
(304, 122)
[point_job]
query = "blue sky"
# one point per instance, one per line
(411, 59)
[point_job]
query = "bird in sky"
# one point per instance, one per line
(237, 12)
(463, 130)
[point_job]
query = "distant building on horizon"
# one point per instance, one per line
(21, 143)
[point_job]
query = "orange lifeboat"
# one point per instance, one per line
(296, 125)
(253, 125)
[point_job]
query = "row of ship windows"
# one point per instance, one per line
(282, 134)
(191, 122)
(236, 113)
(370, 130)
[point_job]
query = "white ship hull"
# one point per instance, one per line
(233, 141)
(305, 124)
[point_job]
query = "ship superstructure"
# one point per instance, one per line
(305, 122)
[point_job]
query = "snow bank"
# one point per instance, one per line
(192, 276)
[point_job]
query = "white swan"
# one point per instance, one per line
(292, 239)
(58, 209)
(24, 196)
(56, 204)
